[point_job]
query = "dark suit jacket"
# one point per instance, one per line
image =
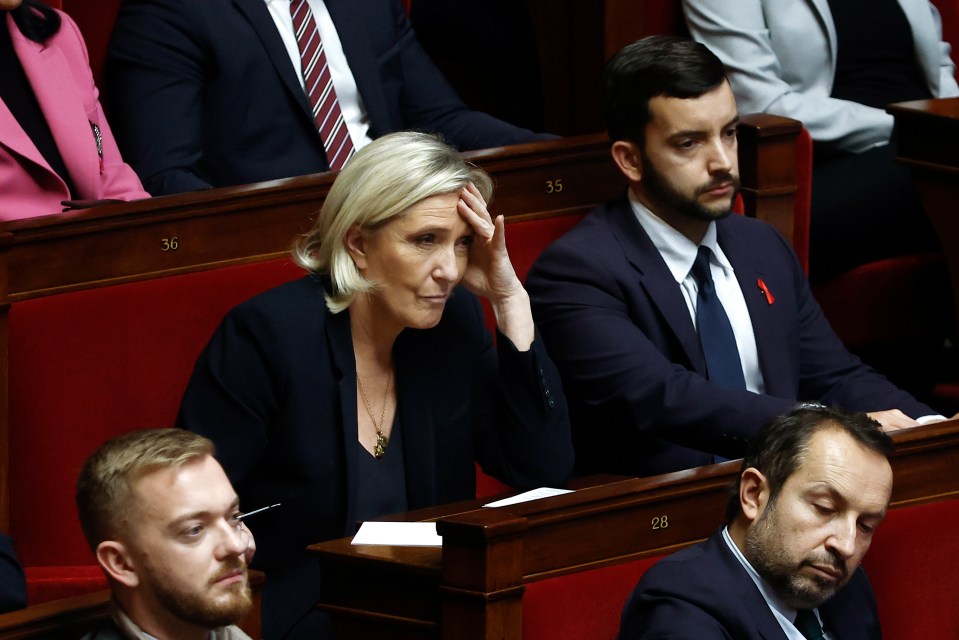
(13, 584)
(703, 592)
(204, 93)
(275, 389)
(615, 322)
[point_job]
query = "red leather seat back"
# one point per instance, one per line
(912, 567)
(580, 606)
(87, 365)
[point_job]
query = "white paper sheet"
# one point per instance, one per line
(402, 534)
(535, 494)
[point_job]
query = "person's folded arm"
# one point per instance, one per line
(738, 33)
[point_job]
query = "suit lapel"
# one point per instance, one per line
(821, 9)
(257, 14)
(16, 139)
(412, 387)
(851, 613)
(340, 339)
(656, 278)
(50, 78)
(771, 343)
(840, 624)
(925, 41)
(362, 60)
(748, 597)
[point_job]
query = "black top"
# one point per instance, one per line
(17, 94)
(381, 486)
(876, 63)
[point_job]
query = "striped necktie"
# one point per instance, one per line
(319, 87)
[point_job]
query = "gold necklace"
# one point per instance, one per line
(379, 449)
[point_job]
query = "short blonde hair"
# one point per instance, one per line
(382, 181)
(105, 485)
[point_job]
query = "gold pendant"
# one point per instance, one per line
(379, 449)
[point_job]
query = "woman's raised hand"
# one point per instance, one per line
(490, 273)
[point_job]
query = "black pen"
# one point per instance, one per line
(246, 515)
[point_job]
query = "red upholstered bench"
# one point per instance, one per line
(90, 364)
(581, 606)
(912, 567)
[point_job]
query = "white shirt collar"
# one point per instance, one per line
(677, 250)
(784, 614)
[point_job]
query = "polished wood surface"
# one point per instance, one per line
(123, 242)
(473, 587)
(928, 142)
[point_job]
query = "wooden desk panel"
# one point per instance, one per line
(473, 587)
(163, 236)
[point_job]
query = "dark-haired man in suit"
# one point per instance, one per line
(812, 491)
(679, 329)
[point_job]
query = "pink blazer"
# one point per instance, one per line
(59, 72)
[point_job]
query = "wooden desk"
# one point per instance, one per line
(472, 588)
(928, 142)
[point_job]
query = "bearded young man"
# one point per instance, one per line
(164, 523)
(679, 329)
(810, 496)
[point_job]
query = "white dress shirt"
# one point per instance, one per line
(348, 96)
(785, 615)
(679, 252)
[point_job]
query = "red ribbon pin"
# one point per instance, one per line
(762, 287)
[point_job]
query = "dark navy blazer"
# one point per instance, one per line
(275, 389)
(203, 93)
(616, 324)
(703, 592)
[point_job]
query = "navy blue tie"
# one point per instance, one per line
(723, 365)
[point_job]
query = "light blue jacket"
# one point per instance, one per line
(780, 56)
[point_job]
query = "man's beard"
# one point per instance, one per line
(767, 551)
(203, 609)
(664, 194)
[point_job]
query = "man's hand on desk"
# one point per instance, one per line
(892, 420)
